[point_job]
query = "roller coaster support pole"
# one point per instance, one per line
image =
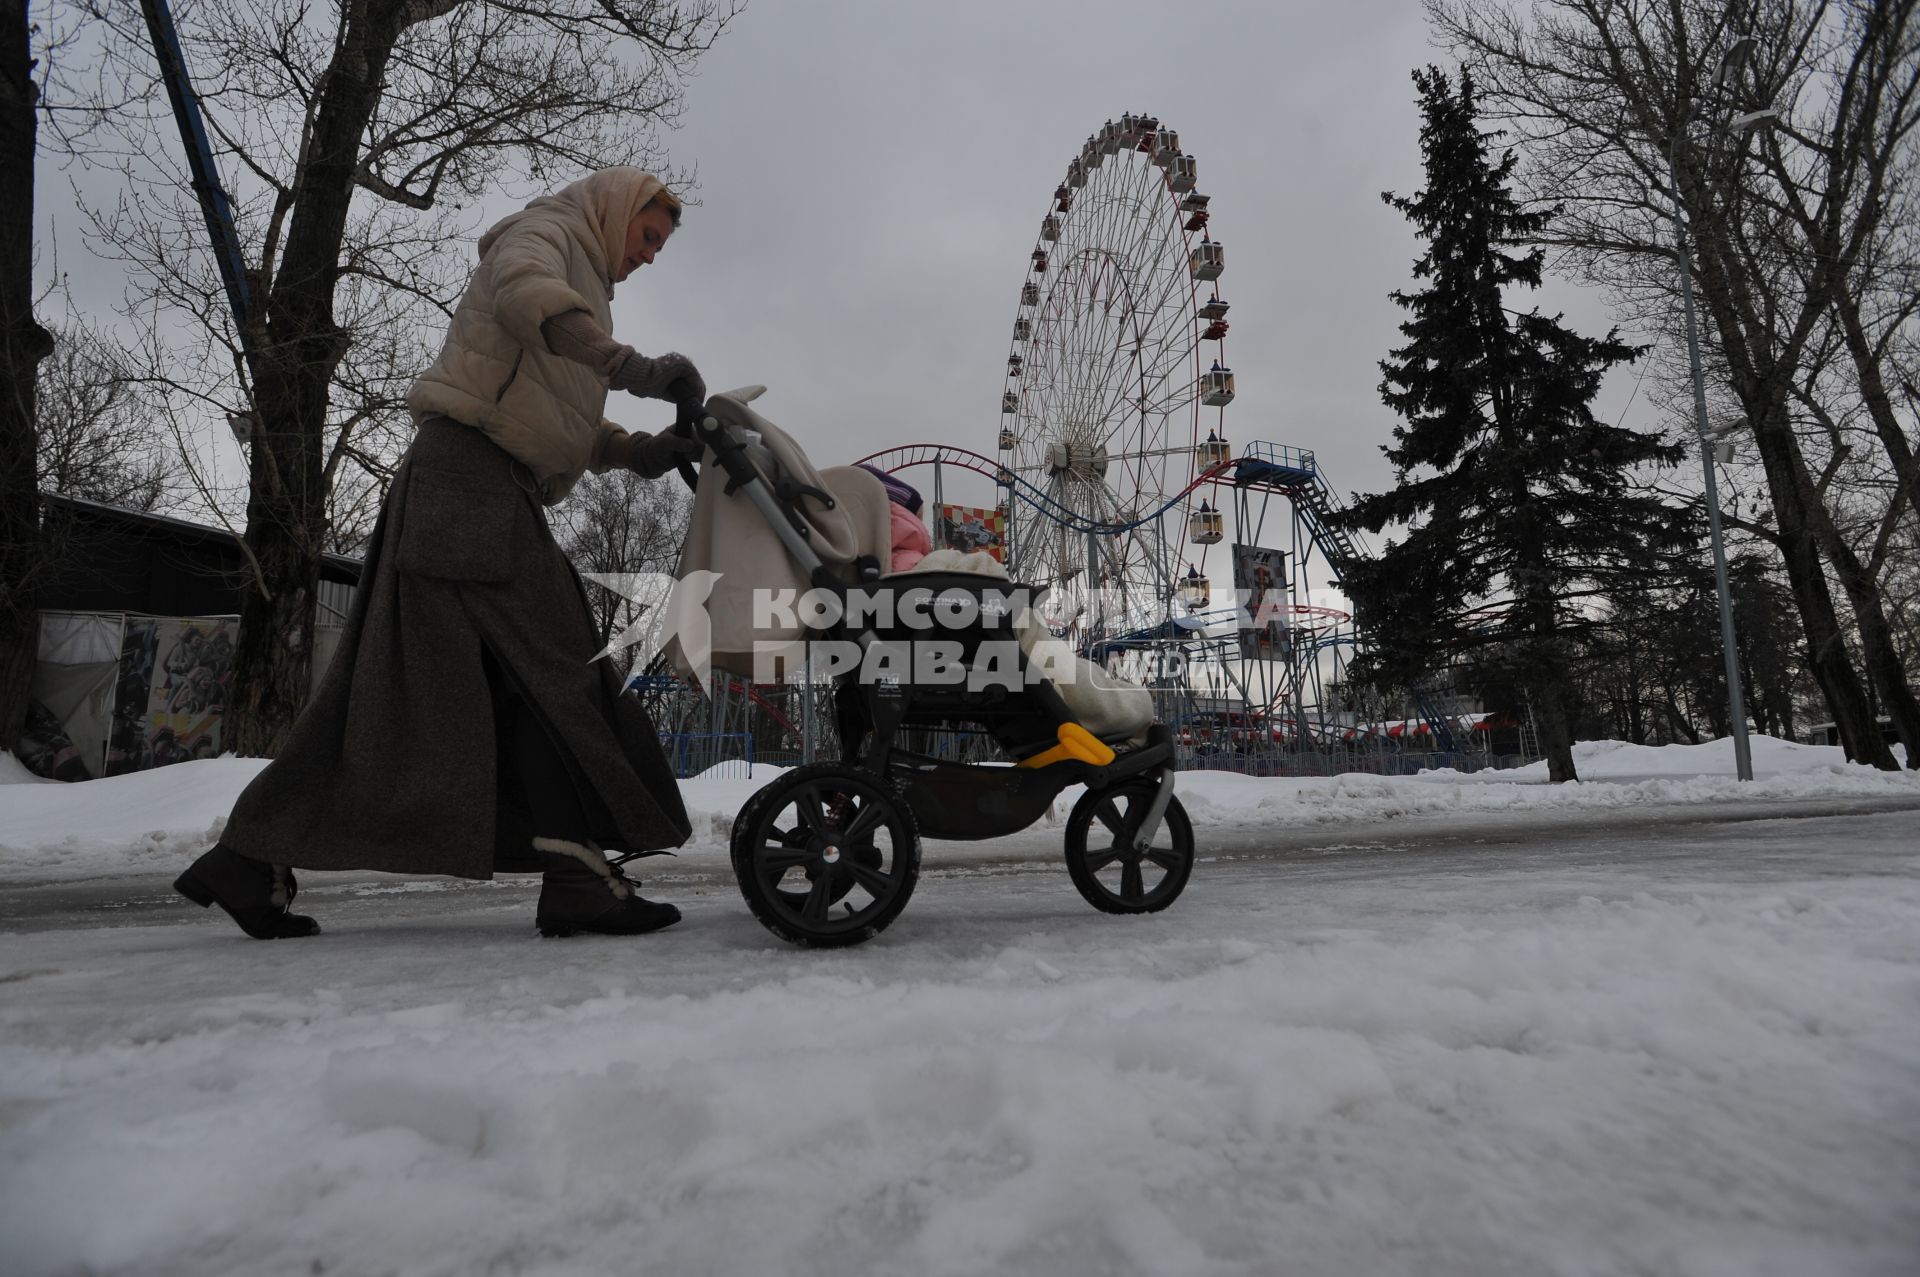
(1094, 609)
(1012, 543)
(937, 499)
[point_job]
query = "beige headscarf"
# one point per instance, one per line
(607, 202)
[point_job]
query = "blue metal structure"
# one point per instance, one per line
(200, 163)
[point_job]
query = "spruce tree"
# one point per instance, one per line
(1517, 505)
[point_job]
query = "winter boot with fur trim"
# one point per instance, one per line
(581, 891)
(254, 893)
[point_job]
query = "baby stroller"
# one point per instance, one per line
(828, 854)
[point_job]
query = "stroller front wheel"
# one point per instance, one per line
(827, 855)
(1112, 874)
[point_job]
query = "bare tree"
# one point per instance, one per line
(620, 524)
(97, 435)
(23, 344)
(351, 134)
(97, 440)
(1605, 95)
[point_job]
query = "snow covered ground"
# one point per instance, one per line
(150, 822)
(1419, 1026)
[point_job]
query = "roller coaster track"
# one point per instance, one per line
(910, 455)
(1262, 466)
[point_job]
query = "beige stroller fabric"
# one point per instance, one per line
(729, 537)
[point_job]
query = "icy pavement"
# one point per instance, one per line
(1425, 1046)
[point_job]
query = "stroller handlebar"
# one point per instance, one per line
(777, 496)
(684, 426)
(731, 455)
(723, 447)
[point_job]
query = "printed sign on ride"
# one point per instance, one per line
(1260, 579)
(968, 528)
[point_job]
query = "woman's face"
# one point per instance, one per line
(646, 234)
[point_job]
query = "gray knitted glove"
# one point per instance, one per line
(671, 377)
(651, 456)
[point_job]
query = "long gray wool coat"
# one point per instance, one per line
(392, 766)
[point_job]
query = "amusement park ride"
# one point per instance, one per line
(1161, 552)
(1113, 473)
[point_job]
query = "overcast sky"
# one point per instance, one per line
(873, 174)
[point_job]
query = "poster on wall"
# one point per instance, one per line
(967, 528)
(1260, 578)
(175, 675)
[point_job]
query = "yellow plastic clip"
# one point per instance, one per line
(1075, 742)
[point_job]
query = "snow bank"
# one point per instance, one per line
(14, 772)
(1359, 797)
(143, 822)
(152, 822)
(1616, 759)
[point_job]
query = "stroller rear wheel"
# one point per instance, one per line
(1110, 873)
(827, 855)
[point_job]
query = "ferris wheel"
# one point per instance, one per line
(1117, 385)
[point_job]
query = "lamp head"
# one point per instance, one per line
(1731, 61)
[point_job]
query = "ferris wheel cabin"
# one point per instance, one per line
(1216, 387)
(1205, 526)
(1195, 590)
(1209, 259)
(1214, 452)
(1183, 171)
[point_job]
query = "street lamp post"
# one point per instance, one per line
(1736, 699)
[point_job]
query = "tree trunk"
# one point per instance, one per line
(1882, 659)
(1636, 712)
(1873, 392)
(1827, 651)
(299, 348)
(1546, 678)
(1761, 372)
(1556, 728)
(1799, 516)
(23, 344)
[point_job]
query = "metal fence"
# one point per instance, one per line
(1338, 762)
(740, 725)
(725, 754)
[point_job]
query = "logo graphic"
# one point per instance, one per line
(984, 636)
(666, 609)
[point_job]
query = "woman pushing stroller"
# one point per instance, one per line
(463, 726)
